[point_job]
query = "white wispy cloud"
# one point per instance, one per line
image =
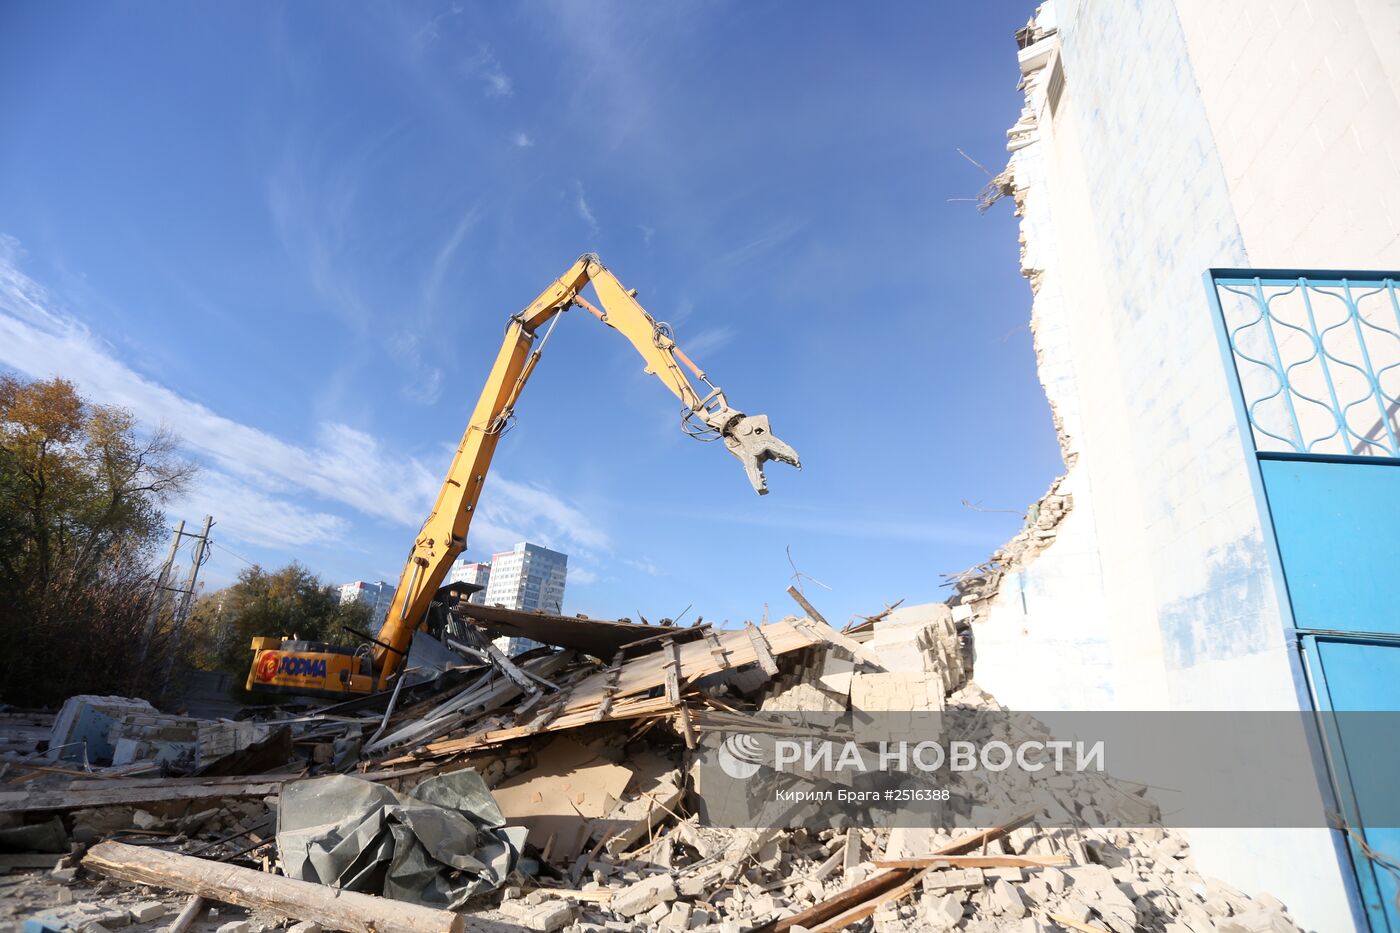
(248, 514)
(647, 233)
(447, 252)
(527, 505)
(643, 565)
(523, 140)
(581, 575)
(581, 205)
(311, 212)
(485, 66)
(260, 487)
(707, 341)
(770, 240)
(427, 389)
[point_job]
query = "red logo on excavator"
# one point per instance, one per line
(267, 666)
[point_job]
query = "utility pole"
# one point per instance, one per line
(158, 603)
(184, 600)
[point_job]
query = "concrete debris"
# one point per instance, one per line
(147, 911)
(590, 762)
(644, 895)
(1006, 899)
(975, 588)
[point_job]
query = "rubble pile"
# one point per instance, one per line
(559, 789)
(976, 587)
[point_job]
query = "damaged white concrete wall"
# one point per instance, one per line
(1161, 139)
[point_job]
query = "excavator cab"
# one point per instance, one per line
(310, 668)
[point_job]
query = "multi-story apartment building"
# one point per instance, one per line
(477, 572)
(528, 577)
(379, 595)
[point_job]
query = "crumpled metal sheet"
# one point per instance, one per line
(443, 843)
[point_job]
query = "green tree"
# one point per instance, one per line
(290, 602)
(81, 488)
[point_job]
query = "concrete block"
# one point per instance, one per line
(678, 920)
(946, 912)
(215, 739)
(84, 723)
(147, 911)
(643, 895)
(1006, 899)
(236, 926)
(949, 879)
(548, 916)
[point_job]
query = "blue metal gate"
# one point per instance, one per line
(1315, 361)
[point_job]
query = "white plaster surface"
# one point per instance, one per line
(1191, 134)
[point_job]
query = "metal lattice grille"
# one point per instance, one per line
(1318, 358)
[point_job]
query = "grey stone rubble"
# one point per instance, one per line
(648, 863)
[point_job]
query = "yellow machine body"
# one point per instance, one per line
(302, 667)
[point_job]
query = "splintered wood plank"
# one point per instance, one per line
(621, 690)
(763, 651)
(846, 905)
(976, 861)
(717, 652)
(609, 688)
(673, 672)
(861, 911)
(332, 908)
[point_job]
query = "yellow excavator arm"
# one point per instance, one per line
(301, 667)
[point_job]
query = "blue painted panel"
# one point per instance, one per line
(1338, 530)
(1356, 675)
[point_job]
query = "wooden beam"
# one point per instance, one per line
(717, 651)
(839, 903)
(858, 651)
(976, 861)
(761, 649)
(188, 915)
(673, 671)
(332, 908)
(807, 607)
(115, 793)
(861, 911)
(687, 728)
(847, 901)
(639, 677)
(609, 688)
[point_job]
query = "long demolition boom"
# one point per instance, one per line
(444, 534)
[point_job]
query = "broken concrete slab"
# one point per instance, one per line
(147, 911)
(946, 912)
(644, 895)
(548, 916)
(82, 729)
(570, 786)
(1006, 899)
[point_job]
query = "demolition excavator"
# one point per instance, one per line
(282, 665)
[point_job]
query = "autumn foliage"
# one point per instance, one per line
(81, 490)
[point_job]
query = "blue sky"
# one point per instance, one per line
(294, 232)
